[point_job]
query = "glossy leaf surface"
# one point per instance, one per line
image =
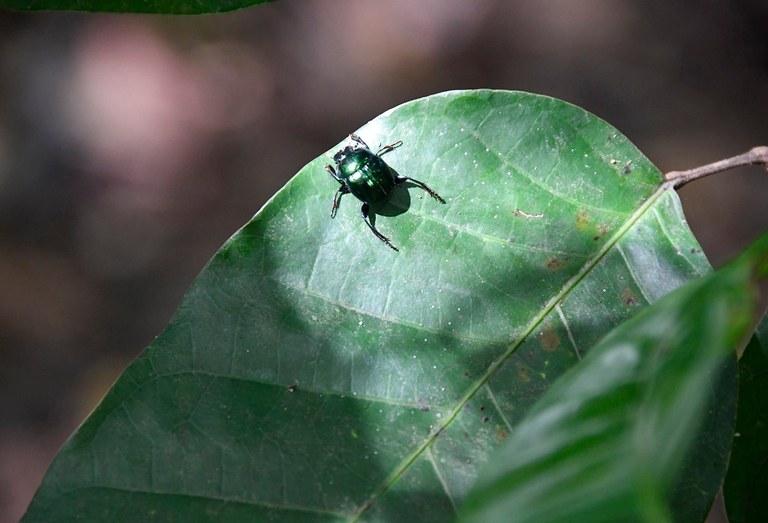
(606, 442)
(311, 373)
(747, 479)
(132, 6)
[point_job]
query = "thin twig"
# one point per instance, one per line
(756, 155)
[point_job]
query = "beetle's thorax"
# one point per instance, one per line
(351, 160)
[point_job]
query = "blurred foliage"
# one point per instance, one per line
(606, 442)
(747, 479)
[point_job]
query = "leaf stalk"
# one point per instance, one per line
(755, 156)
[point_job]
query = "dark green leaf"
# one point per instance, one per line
(606, 442)
(313, 372)
(747, 481)
(702, 475)
(132, 6)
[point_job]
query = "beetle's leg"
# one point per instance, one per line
(364, 211)
(390, 147)
(358, 140)
(337, 199)
(433, 194)
(383, 150)
(333, 173)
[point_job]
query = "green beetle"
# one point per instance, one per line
(368, 178)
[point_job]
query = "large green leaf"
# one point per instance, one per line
(606, 442)
(313, 373)
(132, 6)
(747, 480)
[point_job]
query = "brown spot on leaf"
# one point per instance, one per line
(502, 434)
(628, 297)
(549, 339)
(555, 263)
(582, 219)
(523, 373)
(601, 230)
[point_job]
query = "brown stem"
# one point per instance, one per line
(756, 155)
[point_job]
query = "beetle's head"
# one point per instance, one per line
(341, 155)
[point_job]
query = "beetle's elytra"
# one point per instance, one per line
(368, 178)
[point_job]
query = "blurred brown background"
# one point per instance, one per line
(131, 147)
